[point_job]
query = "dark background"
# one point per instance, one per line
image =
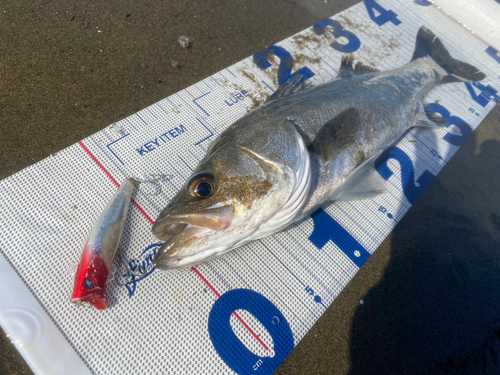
(431, 291)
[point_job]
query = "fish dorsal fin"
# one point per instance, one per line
(292, 86)
(349, 69)
(336, 134)
(362, 183)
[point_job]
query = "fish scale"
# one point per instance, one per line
(379, 95)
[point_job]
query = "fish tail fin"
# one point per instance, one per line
(430, 45)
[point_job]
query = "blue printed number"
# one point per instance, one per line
(424, 3)
(411, 190)
(286, 63)
(465, 129)
(338, 31)
(493, 53)
(310, 291)
(231, 349)
(326, 229)
(487, 93)
(384, 16)
(384, 211)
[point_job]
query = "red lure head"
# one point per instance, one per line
(90, 281)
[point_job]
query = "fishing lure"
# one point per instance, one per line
(100, 249)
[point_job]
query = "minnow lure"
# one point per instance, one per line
(100, 249)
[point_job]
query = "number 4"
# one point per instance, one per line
(384, 16)
(487, 94)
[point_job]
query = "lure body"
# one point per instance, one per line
(100, 249)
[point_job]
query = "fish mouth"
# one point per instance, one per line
(182, 233)
(173, 229)
(177, 246)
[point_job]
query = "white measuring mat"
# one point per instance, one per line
(245, 311)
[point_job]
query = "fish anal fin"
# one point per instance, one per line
(428, 118)
(292, 86)
(336, 134)
(364, 182)
(348, 68)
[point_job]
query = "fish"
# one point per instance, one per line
(305, 146)
(100, 250)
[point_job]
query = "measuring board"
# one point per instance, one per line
(243, 312)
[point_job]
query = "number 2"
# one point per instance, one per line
(410, 189)
(286, 63)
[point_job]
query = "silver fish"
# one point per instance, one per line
(305, 146)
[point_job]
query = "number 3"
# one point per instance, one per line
(338, 31)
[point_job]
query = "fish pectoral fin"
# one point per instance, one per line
(294, 85)
(364, 182)
(336, 134)
(349, 69)
(428, 118)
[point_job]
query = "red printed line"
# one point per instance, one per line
(234, 313)
(394, 165)
(250, 330)
(152, 222)
(143, 212)
(407, 32)
(98, 163)
(114, 181)
(189, 93)
(205, 281)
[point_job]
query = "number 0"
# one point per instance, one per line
(231, 349)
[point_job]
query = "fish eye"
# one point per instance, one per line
(202, 185)
(203, 189)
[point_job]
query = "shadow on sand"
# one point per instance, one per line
(437, 307)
